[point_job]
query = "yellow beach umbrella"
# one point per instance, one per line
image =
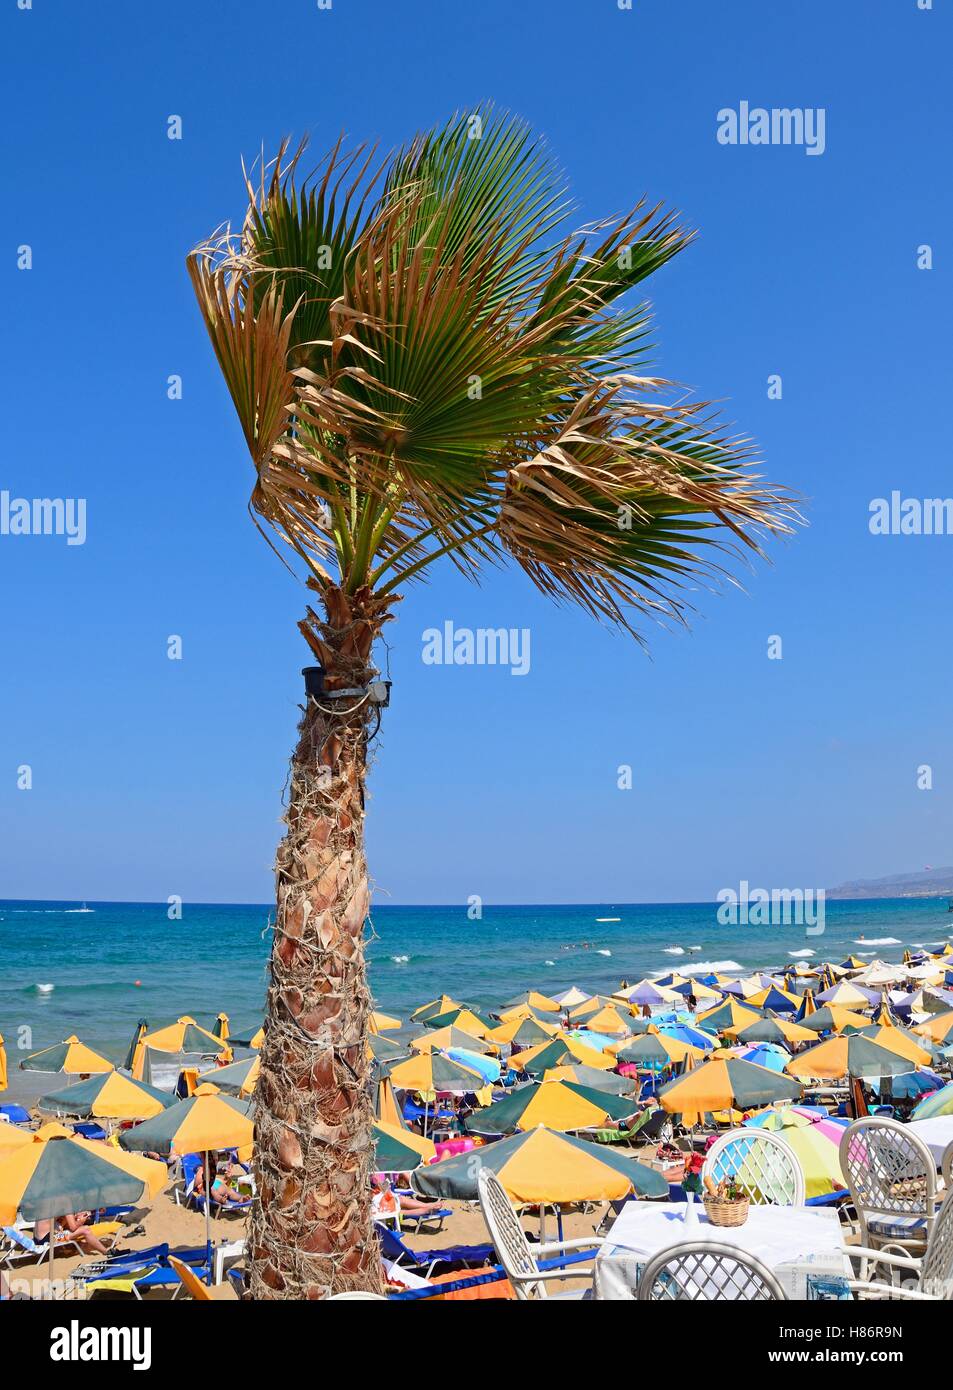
(887, 1035)
(70, 1056)
(198, 1124)
(729, 1016)
(441, 1005)
(431, 1071)
(724, 1083)
(58, 1173)
(386, 1107)
(593, 1005)
(508, 1031)
(185, 1035)
(560, 1105)
(380, 1023)
(761, 996)
(607, 1020)
(587, 1056)
(13, 1137)
(855, 1056)
(938, 1029)
(440, 1039)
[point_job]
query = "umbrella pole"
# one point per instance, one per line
(52, 1236)
(208, 1222)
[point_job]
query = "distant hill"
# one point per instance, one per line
(928, 883)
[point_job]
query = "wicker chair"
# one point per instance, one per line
(760, 1162)
(892, 1179)
(947, 1169)
(517, 1256)
(705, 1271)
(929, 1279)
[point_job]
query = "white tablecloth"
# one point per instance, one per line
(802, 1245)
(937, 1134)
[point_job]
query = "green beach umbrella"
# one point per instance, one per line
(70, 1056)
(399, 1150)
(238, 1078)
(197, 1124)
(432, 1071)
(542, 1166)
(592, 1077)
(938, 1103)
(461, 1017)
(723, 1083)
(384, 1049)
(561, 1105)
(109, 1096)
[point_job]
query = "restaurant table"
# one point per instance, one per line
(936, 1133)
(803, 1246)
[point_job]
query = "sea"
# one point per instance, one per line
(96, 969)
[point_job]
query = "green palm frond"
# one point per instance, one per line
(427, 366)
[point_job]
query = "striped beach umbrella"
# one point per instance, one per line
(440, 1005)
(832, 1018)
(591, 1076)
(561, 1105)
(728, 1017)
(443, 1039)
(571, 997)
(200, 1123)
(185, 1035)
(851, 1056)
(723, 1083)
(383, 1048)
(560, 1051)
(938, 1029)
(654, 1051)
(770, 1055)
(433, 1071)
(470, 1020)
(70, 1056)
(695, 1037)
(542, 1166)
(523, 1032)
(778, 1000)
(815, 1140)
(380, 1023)
(939, 1103)
(539, 1003)
(776, 1030)
(399, 1150)
(108, 1096)
(238, 1078)
(607, 1020)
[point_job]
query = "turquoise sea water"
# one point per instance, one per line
(215, 957)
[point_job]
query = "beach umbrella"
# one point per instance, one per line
(938, 1029)
(779, 1001)
(3, 1065)
(488, 1067)
(722, 1083)
(383, 1048)
(683, 1032)
(849, 996)
(816, 1142)
(13, 1137)
(728, 1017)
(380, 1023)
(436, 1006)
(807, 1006)
(597, 1042)
(542, 1166)
(200, 1124)
(911, 1085)
(468, 1019)
(853, 963)
(770, 1055)
(832, 1018)
(522, 1032)
(648, 993)
(939, 1103)
(919, 1050)
(385, 1104)
(443, 1039)
(185, 1035)
(591, 1076)
(71, 1056)
(108, 1096)
(850, 1055)
(775, 1030)
(432, 1071)
(539, 1003)
(558, 1105)
(238, 1078)
(607, 1020)
(592, 1005)
(560, 1051)
(399, 1150)
(55, 1175)
(571, 997)
(653, 1050)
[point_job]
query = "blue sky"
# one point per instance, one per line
(153, 777)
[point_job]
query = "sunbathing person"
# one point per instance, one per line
(222, 1190)
(385, 1201)
(77, 1225)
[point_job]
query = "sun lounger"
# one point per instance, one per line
(15, 1114)
(22, 1247)
(491, 1274)
(451, 1257)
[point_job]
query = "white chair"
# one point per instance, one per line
(705, 1271)
(762, 1163)
(517, 1256)
(929, 1279)
(892, 1179)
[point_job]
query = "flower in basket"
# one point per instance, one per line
(692, 1181)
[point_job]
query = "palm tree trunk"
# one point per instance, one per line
(310, 1232)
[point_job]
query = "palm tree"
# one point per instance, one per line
(426, 364)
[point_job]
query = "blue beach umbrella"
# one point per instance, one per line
(488, 1067)
(694, 1036)
(770, 1055)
